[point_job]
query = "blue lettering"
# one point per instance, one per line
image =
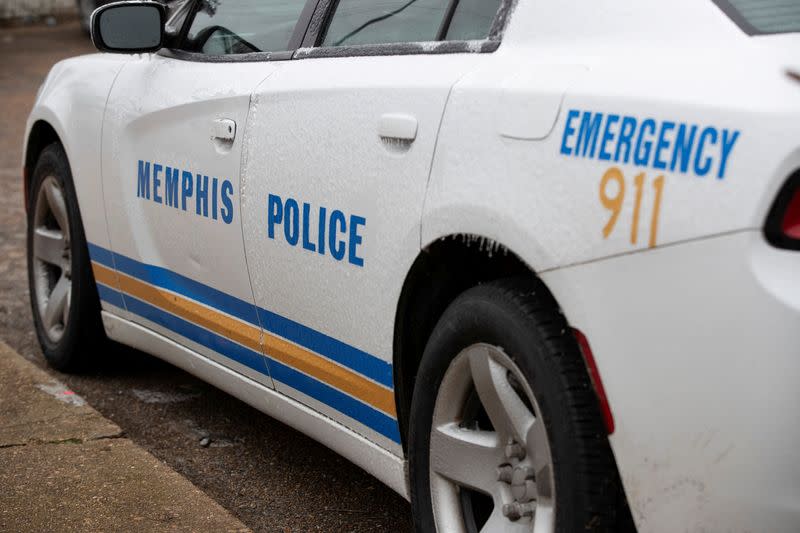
(172, 176)
(683, 148)
(156, 182)
(336, 246)
(214, 198)
(607, 136)
(662, 144)
(709, 135)
(307, 244)
(640, 158)
(143, 187)
(727, 146)
(201, 198)
(321, 237)
(186, 187)
(274, 214)
(588, 132)
(568, 131)
(291, 228)
(624, 139)
(355, 239)
(227, 202)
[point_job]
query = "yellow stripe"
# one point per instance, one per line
(282, 350)
(233, 329)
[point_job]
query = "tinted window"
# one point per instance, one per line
(223, 27)
(765, 16)
(472, 19)
(385, 21)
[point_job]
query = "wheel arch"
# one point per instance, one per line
(41, 135)
(442, 270)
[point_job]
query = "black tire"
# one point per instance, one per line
(521, 316)
(83, 334)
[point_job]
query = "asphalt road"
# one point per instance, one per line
(269, 476)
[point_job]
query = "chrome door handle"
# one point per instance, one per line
(223, 129)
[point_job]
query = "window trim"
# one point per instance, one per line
(736, 16)
(300, 30)
(314, 20)
(319, 23)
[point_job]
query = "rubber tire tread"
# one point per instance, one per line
(521, 315)
(84, 336)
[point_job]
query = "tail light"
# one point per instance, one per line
(783, 222)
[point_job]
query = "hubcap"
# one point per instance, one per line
(488, 440)
(52, 261)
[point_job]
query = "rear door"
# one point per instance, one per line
(339, 148)
(172, 150)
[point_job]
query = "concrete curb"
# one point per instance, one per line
(64, 467)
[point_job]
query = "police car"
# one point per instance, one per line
(533, 264)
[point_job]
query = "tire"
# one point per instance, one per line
(72, 332)
(511, 337)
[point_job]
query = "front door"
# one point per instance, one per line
(339, 152)
(172, 152)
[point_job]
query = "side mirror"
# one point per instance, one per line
(129, 27)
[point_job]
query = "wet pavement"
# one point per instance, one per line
(264, 473)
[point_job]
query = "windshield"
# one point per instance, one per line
(764, 16)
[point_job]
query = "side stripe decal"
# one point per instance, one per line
(336, 385)
(349, 356)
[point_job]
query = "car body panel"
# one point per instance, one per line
(690, 314)
(172, 194)
(323, 139)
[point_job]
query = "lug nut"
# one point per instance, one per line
(515, 451)
(514, 511)
(505, 473)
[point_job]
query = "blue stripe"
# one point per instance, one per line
(101, 255)
(166, 279)
(358, 360)
(344, 354)
(112, 296)
(370, 417)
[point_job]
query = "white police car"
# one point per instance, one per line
(531, 263)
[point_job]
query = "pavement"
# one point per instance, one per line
(65, 467)
(264, 474)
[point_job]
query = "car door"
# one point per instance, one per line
(339, 148)
(172, 150)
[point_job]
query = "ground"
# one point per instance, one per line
(267, 475)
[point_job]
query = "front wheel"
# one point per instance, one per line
(505, 431)
(64, 301)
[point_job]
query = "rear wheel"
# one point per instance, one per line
(505, 431)
(64, 301)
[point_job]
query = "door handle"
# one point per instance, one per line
(398, 126)
(223, 129)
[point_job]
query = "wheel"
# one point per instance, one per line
(64, 301)
(85, 9)
(505, 430)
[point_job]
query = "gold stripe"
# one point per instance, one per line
(226, 326)
(331, 373)
(250, 336)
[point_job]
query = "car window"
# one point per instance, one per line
(225, 27)
(356, 22)
(472, 19)
(765, 16)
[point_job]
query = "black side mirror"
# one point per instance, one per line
(129, 27)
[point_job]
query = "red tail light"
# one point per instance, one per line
(594, 375)
(783, 222)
